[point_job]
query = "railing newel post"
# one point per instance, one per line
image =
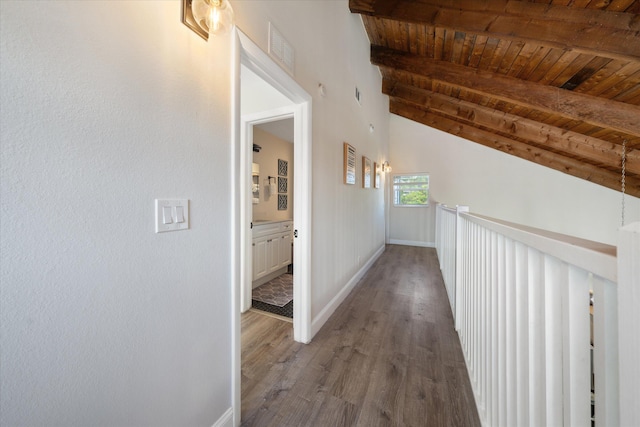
(628, 321)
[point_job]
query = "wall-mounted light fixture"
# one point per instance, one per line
(385, 167)
(207, 17)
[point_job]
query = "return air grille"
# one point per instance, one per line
(280, 49)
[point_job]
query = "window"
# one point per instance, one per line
(411, 189)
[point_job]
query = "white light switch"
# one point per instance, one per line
(166, 215)
(179, 214)
(172, 215)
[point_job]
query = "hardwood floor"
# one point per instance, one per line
(389, 356)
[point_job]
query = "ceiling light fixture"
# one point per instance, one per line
(208, 17)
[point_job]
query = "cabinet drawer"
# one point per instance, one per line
(265, 229)
(286, 226)
(261, 230)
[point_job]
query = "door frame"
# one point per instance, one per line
(248, 121)
(247, 53)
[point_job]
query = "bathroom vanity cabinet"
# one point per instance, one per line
(272, 252)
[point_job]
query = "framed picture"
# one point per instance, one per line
(349, 164)
(282, 202)
(282, 184)
(366, 172)
(376, 170)
(283, 167)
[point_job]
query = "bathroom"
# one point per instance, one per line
(272, 218)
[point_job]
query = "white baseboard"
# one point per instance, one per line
(412, 243)
(226, 420)
(328, 310)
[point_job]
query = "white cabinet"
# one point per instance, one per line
(259, 257)
(285, 249)
(273, 253)
(271, 247)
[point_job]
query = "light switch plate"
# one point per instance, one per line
(173, 205)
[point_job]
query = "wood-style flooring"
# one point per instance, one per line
(389, 356)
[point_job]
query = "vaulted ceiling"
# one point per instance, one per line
(556, 82)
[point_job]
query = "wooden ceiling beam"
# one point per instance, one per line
(537, 155)
(601, 112)
(576, 144)
(539, 10)
(603, 33)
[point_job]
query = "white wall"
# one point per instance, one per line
(105, 107)
(499, 185)
(331, 47)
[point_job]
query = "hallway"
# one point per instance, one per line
(389, 355)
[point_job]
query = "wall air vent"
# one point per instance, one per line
(280, 49)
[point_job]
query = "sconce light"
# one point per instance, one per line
(385, 167)
(207, 17)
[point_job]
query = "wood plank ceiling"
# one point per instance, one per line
(556, 82)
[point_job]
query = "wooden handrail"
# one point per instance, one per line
(595, 257)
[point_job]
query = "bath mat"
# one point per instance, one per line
(286, 310)
(278, 292)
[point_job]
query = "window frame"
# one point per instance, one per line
(395, 187)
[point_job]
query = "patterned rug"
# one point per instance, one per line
(286, 311)
(275, 296)
(278, 291)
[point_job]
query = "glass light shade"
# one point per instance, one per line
(213, 16)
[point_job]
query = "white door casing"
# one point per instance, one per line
(247, 53)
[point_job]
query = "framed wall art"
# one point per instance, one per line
(282, 184)
(282, 202)
(283, 167)
(366, 172)
(349, 164)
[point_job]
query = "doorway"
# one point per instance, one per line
(298, 107)
(269, 287)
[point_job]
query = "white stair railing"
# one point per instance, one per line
(536, 313)
(446, 248)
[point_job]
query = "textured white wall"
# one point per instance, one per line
(499, 185)
(331, 47)
(105, 107)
